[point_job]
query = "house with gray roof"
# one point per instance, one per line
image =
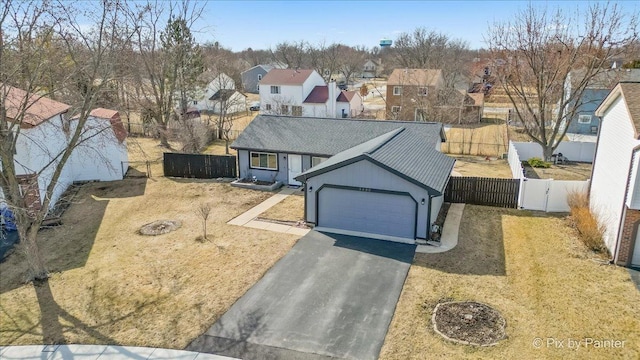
(381, 179)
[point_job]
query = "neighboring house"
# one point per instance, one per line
(304, 93)
(614, 194)
(228, 100)
(385, 179)
(411, 91)
(101, 153)
(251, 77)
(211, 99)
(372, 69)
(585, 121)
(349, 104)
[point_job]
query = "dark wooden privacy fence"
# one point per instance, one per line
(199, 166)
(483, 191)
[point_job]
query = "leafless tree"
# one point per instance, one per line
(90, 56)
(351, 61)
(423, 49)
(161, 82)
(279, 105)
(291, 54)
(203, 211)
(548, 58)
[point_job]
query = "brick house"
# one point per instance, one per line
(410, 91)
(614, 194)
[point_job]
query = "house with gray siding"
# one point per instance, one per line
(585, 120)
(381, 179)
(251, 77)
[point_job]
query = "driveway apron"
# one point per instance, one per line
(331, 296)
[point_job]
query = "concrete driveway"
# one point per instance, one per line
(331, 296)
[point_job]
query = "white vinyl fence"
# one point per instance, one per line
(572, 150)
(547, 194)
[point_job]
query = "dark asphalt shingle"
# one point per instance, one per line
(323, 136)
(400, 150)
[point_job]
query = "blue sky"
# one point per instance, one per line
(262, 24)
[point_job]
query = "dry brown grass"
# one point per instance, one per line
(289, 209)
(531, 268)
(111, 285)
(590, 229)
(570, 171)
(469, 165)
(217, 147)
(484, 139)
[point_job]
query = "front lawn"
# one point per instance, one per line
(110, 285)
(532, 268)
(291, 209)
(482, 166)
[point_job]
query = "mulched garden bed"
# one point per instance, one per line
(469, 323)
(257, 182)
(160, 227)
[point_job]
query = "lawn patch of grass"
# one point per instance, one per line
(480, 166)
(112, 285)
(289, 209)
(532, 268)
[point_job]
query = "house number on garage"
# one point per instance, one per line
(364, 189)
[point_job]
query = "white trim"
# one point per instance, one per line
(260, 167)
(580, 117)
(322, 159)
(399, 92)
(366, 235)
(276, 88)
(399, 108)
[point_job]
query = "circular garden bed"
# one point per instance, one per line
(160, 227)
(469, 323)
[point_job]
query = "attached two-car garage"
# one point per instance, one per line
(388, 213)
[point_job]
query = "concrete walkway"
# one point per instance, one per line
(102, 352)
(248, 218)
(450, 229)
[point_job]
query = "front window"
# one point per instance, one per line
(397, 90)
(395, 109)
(275, 89)
(584, 119)
(267, 161)
(296, 110)
(284, 109)
(259, 77)
(315, 160)
(423, 91)
(267, 107)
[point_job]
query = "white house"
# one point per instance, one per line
(304, 93)
(615, 183)
(349, 104)
(219, 93)
(45, 132)
(372, 68)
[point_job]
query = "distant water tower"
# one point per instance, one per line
(385, 43)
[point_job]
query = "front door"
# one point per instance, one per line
(295, 168)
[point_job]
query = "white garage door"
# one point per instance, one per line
(368, 212)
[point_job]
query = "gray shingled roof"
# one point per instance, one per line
(401, 151)
(323, 136)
